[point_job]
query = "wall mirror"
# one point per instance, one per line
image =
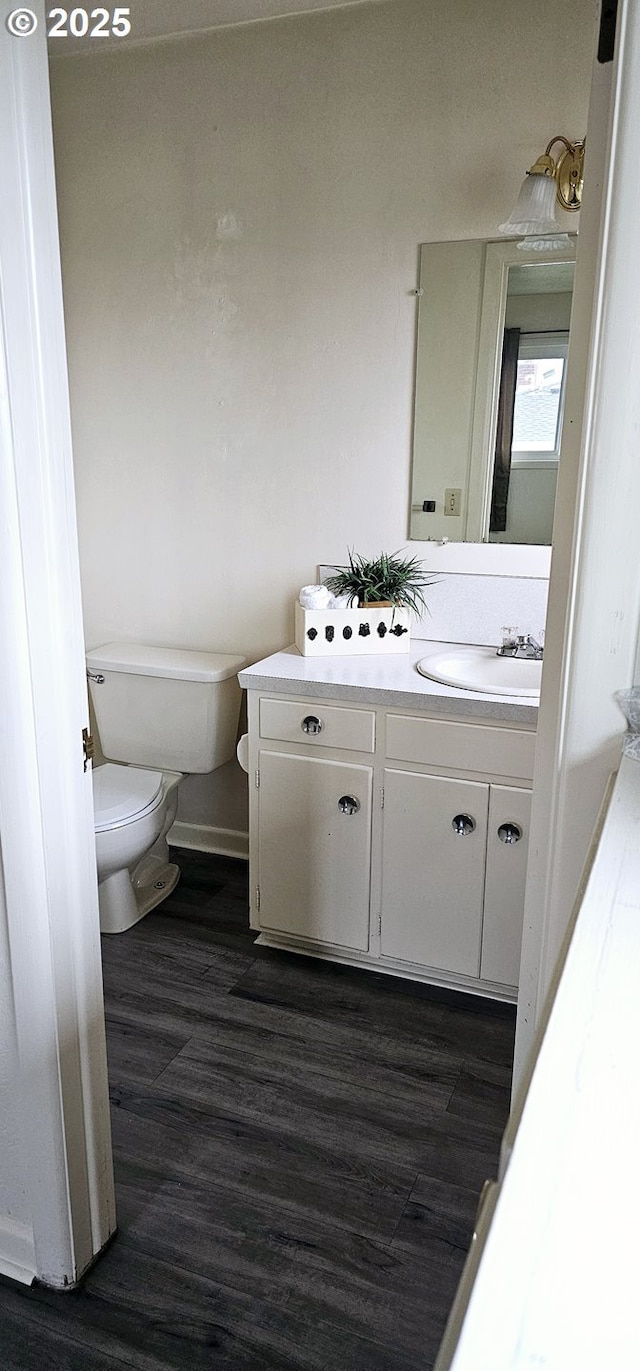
(493, 335)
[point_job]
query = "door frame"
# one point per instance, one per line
(594, 591)
(48, 888)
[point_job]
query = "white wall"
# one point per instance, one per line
(532, 494)
(240, 217)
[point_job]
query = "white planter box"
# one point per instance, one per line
(347, 632)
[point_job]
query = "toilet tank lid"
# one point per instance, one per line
(139, 659)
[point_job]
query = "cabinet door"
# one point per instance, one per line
(433, 876)
(314, 856)
(504, 884)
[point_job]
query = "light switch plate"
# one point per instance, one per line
(453, 501)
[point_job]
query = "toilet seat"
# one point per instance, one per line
(122, 794)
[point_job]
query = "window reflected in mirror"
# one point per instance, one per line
(537, 409)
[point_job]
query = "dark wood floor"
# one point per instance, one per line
(299, 1150)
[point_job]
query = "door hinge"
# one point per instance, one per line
(382, 797)
(379, 925)
(257, 897)
(88, 747)
(257, 778)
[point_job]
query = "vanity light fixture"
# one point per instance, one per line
(548, 181)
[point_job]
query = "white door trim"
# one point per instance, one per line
(46, 817)
(594, 595)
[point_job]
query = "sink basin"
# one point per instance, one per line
(480, 668)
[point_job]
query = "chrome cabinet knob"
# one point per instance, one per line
(509, 833)
(462, 824)
(348, 804)
(312, 724)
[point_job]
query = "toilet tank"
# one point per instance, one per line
(164, 707)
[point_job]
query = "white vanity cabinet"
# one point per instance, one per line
(389, 839)
(452, 887)
(312, 820)
(454, 849)
(314, 848)
(432, 875)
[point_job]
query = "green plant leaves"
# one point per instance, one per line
(387, 577)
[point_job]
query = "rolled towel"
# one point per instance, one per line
(315, 597)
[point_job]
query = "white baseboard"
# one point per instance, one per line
(225, 842)
(17, 1252)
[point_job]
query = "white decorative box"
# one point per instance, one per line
(342, 632)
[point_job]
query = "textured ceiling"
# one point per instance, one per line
(543, 278)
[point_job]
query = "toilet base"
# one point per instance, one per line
(124, 898)
(153, 880)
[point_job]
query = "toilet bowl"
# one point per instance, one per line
(133, 812)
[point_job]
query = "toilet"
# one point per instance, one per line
(161, 713)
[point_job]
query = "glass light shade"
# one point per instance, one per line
(552, 242)
(535, 210)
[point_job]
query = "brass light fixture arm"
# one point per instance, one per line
(567, 170)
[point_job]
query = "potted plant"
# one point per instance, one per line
(384, 580)
(376, 599)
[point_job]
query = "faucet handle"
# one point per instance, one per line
(528, 646)
(510, 640)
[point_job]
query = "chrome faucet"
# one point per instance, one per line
(516, 644)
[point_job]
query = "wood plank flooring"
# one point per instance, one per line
(299, 1150)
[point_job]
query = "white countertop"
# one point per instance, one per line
(386, 679)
